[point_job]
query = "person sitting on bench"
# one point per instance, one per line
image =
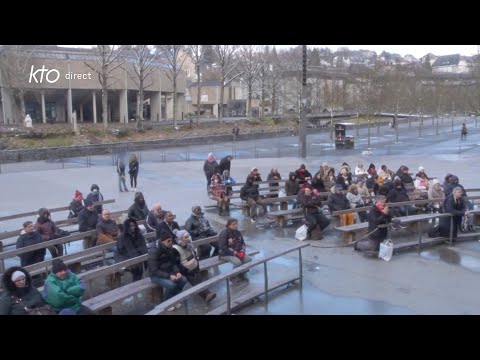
(338, 201)
(313, 214)
(200, 228)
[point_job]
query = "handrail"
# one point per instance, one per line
(206, 284)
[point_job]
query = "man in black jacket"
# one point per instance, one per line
(199, 228)
(453, 204)
(164, 270)
(313, 214)
(28, 237)
(87, 220)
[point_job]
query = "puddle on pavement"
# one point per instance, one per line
(453, 257)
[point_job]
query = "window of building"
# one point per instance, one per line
(50, 110)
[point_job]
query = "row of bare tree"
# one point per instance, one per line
(272, 77)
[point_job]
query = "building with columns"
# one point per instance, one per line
(50, 72)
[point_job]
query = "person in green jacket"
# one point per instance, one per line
(19, 296)
(63, 290)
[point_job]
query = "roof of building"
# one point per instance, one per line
(447, 60)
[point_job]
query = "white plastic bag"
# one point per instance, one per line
(386, 250)
(301, 233)
(282, 193)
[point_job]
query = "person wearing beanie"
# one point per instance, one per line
(88, 220)
(76, 205)
(164, 268)
(303, 175)
(435, 192)
(189, 265)
(338, 201)
(19, 294)
(210, 167)
(64, 290)
(95, 196)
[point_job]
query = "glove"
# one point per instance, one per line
(240, 254)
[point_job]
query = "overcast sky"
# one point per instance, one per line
(415, 50)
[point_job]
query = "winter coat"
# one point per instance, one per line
(310, 203)
(133, 167)
(162, 261)
(154, 220)
(31, 257)
(237, 243)
(185, 255)
(130, 245)
(224, 165)
(107, 231)
(210, 168)
(318, 184)
(168, 228)
(87, 220)
(375, 218)
(95, 196)
(64, 293)
(46, 228)
(291, 186)
(13, 300)
(121, 167)
(337, 202)
(136, 211)
(75, 208)
(198, 227)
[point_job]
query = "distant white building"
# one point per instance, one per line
(454, 64)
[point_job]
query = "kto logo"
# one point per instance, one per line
(50, 75)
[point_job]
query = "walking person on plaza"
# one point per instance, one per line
(133, 168)
(235, 131)
(210, 167)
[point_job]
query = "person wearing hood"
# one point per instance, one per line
(399, 194)
(76, 205)
(360, 171)
(87, 220)
(28, 236)
(210, 167)
(48, 230)
(64, 290)
(317, 183)
(343, 179)
(421, 170)
(446, 182)
(95, 195)
(311, 209)
(324, 169)
(199, 228)
(130, 245)
(349, 171)
(189, 263)
(19, 294)
(338, 201)
(403, 174)
(292, 188)
(138, 210)
(217, 191)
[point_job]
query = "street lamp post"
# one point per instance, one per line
(303, 105)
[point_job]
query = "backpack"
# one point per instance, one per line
(243, 193)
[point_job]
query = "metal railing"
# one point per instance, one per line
(183, 296)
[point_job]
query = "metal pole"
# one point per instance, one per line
(229, 308)
(452, 124)
(437, 126)
(451, 230)
(266, 284)
(303, 105)
(368, 133)
(300, 265)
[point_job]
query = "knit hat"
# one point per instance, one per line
(180, 234)
(88, 202)
(435, 181)
(254, 169)
(421, 168)
(17, 275)
(58, 265)
(165, 235)
(94, 186)
(78, 195)
(196, 207)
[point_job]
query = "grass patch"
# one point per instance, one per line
(52, 141)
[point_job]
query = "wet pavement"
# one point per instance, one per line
(438, 280)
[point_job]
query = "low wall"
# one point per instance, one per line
(53, 153)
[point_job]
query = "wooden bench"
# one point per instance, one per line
(282, 216)
(102, 304)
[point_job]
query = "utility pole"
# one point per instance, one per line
(303, 107)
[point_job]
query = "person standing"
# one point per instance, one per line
(235, 131)
(121, 174)
(133, 168)
(210, 167)
(464, 131)
(225, 164)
